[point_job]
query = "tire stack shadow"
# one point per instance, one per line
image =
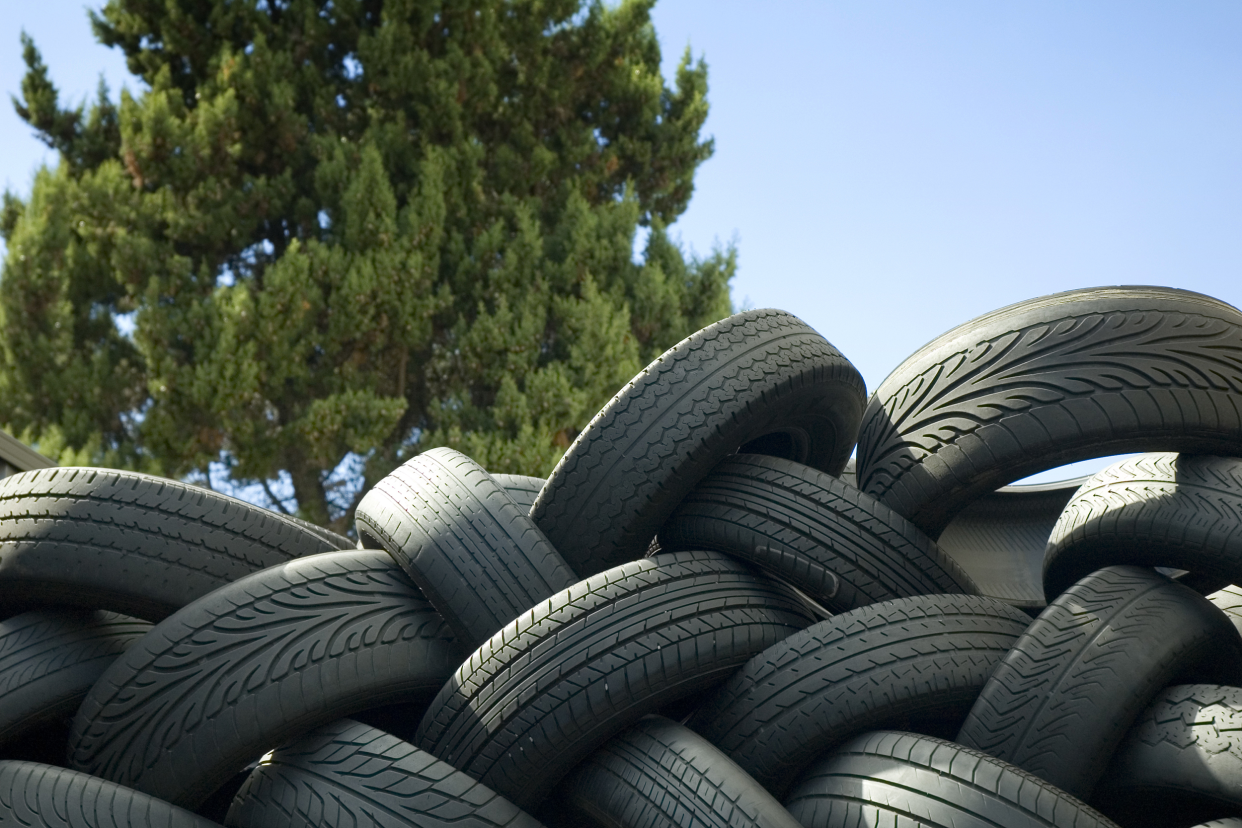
(703, 617)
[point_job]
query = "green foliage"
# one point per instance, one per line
(329, 235)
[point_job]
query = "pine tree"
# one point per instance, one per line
(330, 234)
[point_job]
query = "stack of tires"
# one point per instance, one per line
(701, 618)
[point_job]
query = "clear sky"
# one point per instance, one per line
(889, 170)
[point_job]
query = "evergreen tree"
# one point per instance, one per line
(330, 234)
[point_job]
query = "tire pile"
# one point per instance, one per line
(701, 618)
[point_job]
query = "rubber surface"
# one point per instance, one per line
(762, 380)
(131, 543)
(350, 774)
(1000, 539)
(49, 659)
(252, 665)
(566, 676)
(890, 779)
(659, 774)
(875, 667)
(521, 488)
(1183, 756)
(1050, 381)
(1229, 601)
(477, 556)
(1063, 698)
(1174, 510)
(43, 796)
(841, 547)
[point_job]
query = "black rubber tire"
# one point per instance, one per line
(1229, 601)
(347, 773)
(1050, 381)
(332, 539)
(1183, 757)
(132, 543)
(521, 488)
(1063, 698)
(883, 666)
(543, 694)
(762, 380)
(256, 663)
(1000, 540)
(659, 774)
(479, 558)
(1182, 511)
(888, 778)
(43, 796)
(841, 547)
(1227, 822)
(50, 658)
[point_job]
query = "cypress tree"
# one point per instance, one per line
(325, 235)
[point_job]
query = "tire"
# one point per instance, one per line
(1049, 381)
(544, 693)
(1063, 698)
(347, 773)
(131, 543)
(521, 488)
(922, 658)
(1229, 601)
(254, 664)
(332, 539)
(762, 380)
(841, 547)
(1000, 540)
(42, 796)
(888, 778)
(475, 554)
(659, 774)
(1182, 758)
(49, 659)
(1173, 510)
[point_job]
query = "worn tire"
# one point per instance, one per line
(1182, 757)
(252, 665)
(876, 667)
(1174, 510)
(762, 380)
(841, 547)
(1063, 698)
(49, 659)
(43, 796)
(1000, 540)
(521, 488)
(476, 555)
(566, 676)
(888, 778)
(132, 543)
(1049, 381)
(1229, 601)
(346, 773)
(659, 774)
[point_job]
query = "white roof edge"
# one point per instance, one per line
(21, 456)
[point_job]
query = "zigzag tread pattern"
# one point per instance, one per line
(1064, 696)
(894, 778)
(840, 546)
(1092, 381)
(348, 773)
(756, 371)
(41, 643)
(477, 556)
(866, 669)
(661, 773)
(1165, 509)
(43, 796)
(219, 683)
(562, 678)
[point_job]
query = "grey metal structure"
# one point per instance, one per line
(16, 456)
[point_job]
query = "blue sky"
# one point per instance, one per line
(889, 170)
